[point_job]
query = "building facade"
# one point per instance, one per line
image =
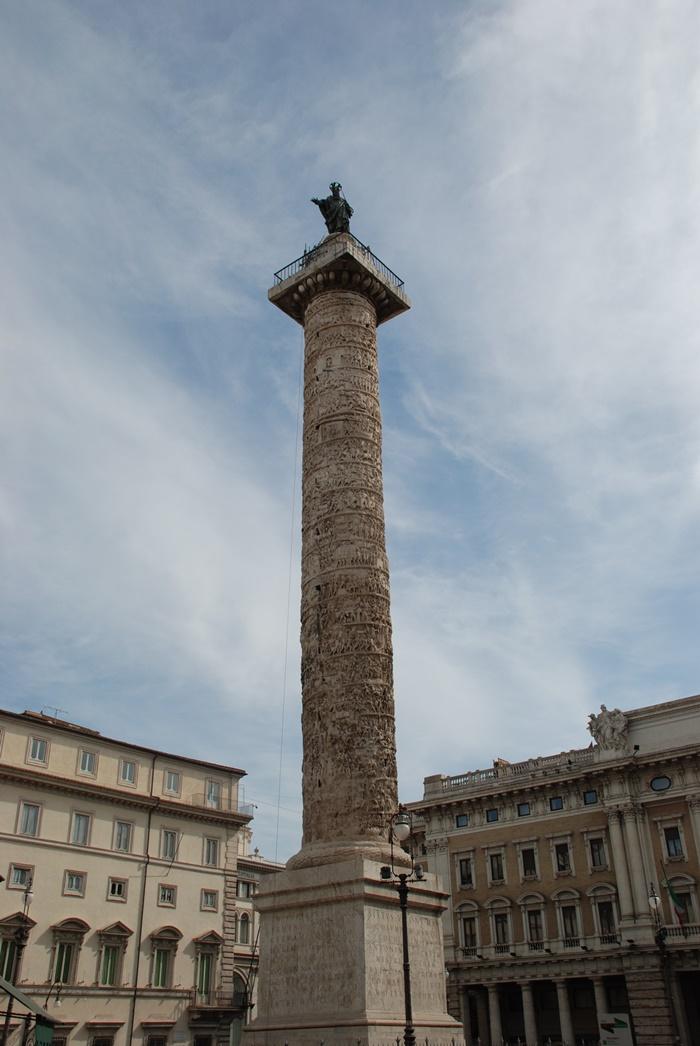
(573, 884)
(130, 859)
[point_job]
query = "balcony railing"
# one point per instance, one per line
(219, 1000)
(675, 933)
(609, 938)
(220, 804)
(564, 760)
(308, 258)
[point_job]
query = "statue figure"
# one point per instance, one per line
(335, 209)
(609, 729)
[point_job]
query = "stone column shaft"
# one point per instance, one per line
(482, 1017)
(565, 1021)
(636, 863)
(620, 862)
(529, 1014)
(495, 1015)
(601, 999)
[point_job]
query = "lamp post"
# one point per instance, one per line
(21, 938)
(660, 935)
(400, 830)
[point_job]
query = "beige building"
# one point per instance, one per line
(140, 926)
(573, 882)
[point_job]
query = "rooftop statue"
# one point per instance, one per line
(335, 209)
(609, 728)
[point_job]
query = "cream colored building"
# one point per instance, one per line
(135, 859)
(551, 864)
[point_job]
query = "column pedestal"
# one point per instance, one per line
(331, 965)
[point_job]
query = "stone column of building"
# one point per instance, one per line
(495, 1015)
(565, 1022)
(601, 998)
(482, 1017)
(640, 888)
(694, 809)
(465, 1006)
(529, 1014)
(622, 878)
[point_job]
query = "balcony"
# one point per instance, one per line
(220, 804)
(678, 934)
(218, 1000)
(564, 945)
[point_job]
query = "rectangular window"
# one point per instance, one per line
(74, 884)
(561, 852)
(213, 794)
(244, 889)
(529, 863)
(127, 771)
(167, 895)
(496, 868)
(122, 836)
(8, 951)
(211, 852)
(606, 917)
(161, 968)
(64, 962)
(20, 876)
(204, 969)
(523, 809)
(674, 843)
(500, 926)
(590, 797)
(685, 903)
(597, 853)
(556, 803)
(465, 872)
(80, 835)
(569, 921)
(209, 900)
(116, 889)
(88, 762)
(110, 965)
(168, 845)
(462, 821)
(38, 749)
(535, 932)
(172, 782)
(469, 931)
(29, 819)
(491, 815)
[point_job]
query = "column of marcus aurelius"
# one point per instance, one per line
(330, 933)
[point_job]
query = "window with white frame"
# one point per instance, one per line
(28, 819)
(211, 852)
(164, 943)
(127, 772)
(8, 954)
(68, 938)
(20, 876)
(207, 949)
(682, 897)
(209, 900)
(74, 883)
(244, 929)
(168, 844)
(534, 925)
(38, 750)
(674, 842)
(110, 961)
(496, 869)
(171, 782)
(213, 793)
(122, 836)
(167, 895)
(598, 857)
(562, 857)
(244, 888)
(469, 929)
(116, 889)
(80, 829)
(501, 930)
(528, 861)
(568, 917)
(87, 762)
(603, 903)
(465, 870)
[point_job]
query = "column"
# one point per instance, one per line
(694, 808)
(495, 1016)
(620, 863)
(601, 997)
(529, 1014)
(482, 1018)
(565, 1022)
(441, 867)
(465, 1000)
(640, 887)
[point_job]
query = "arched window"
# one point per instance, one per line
(164, 944)
(532, 907)
(8, 942)
(110, 961)
(68, 938)
(468, 925)
(568, 907)
(603, 898)
(501, 926)
(244, 929)
(240, 992)
(682, 899)
(207, 950)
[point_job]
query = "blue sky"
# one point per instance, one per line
(532, 170)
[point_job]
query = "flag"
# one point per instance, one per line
(678, 906)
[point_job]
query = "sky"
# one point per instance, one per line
(531, 169)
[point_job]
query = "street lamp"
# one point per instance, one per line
(400, 830)
(660, 935)
(21, 938)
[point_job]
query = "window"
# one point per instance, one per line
(172, 782)
(167, 895)
(209, 901)
(569, 921)
(597, 849)
(496, 861)
(20, 876)
(29, 819)
(535, 930)
(556, 803)
(244, 929)
(116, 889)
(64, 963)
(529, 862)
(122, 836)
(204, 973)
(660, 784)
(87, 762)
(674, 843)
(80, 836)
(469, 937)
(74, 883)
(606, 920)
(244, 888)
(109, 965)
(38, 750)
(590, 797)
(500, 928)
(161, 968)
(523, 809)
(67, 941)
(8, 951)
(157, 1040)
(168, 845)
(163, 949)
(466, 877)
(211, 852)
(127, 771)
(682, 905)
(561, 857)
(462, 821)
(491, 815)
(213, 794)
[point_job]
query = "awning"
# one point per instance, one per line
(28, 1003)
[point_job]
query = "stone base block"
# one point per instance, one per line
(331, 961)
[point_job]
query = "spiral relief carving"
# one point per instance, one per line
(349, 773)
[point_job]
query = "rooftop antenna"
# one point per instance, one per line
(56, 711)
